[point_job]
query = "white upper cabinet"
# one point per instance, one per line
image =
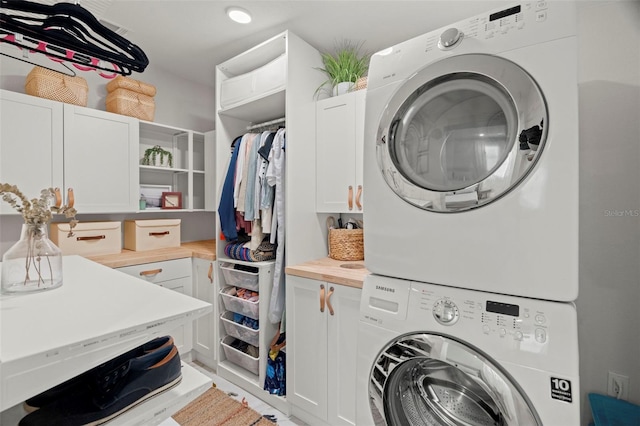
(30, 144)
(100, 160)
(50, 144)
(339, 145)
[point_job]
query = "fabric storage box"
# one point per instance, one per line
(122, 82)
(126, 102)
(151, 234)
(240, 278)
(236, 304)
(240, 358)
(89, 238)
(255, 84)
(48, 84)
(240, 331)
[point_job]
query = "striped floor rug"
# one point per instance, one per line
(216, 408)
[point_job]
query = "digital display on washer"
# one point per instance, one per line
(505, 13)
(503, 308)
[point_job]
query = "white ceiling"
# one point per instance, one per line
(189, 38)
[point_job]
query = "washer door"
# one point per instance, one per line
(429, 379)
(461, 133)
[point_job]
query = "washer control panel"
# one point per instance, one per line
(525, 321)
(446, 312)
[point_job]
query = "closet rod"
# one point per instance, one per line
(266, 123)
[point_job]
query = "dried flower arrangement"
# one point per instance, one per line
(36, 214)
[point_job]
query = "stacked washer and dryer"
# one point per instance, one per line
(471, 168)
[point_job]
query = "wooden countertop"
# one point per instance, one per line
(202, 249)
(330, 270)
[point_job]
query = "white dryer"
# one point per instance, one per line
(471, 154)
(437, 355)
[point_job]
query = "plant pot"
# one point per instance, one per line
(34, 263)
(342, 88)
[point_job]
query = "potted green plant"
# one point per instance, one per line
(152, 155)
(346, 66)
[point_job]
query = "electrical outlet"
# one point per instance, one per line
(618, 386)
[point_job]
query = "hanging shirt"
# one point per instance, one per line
(226, 209)
(277, 166)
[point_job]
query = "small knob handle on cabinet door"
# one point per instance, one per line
(58, 197)
(350, 199)
(210, 273)
(151, 272)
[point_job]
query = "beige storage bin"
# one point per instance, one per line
(89, 238)
(255, 84)
(240, 358)
(127, 102)
(48, 84)
(151, 234)
(122, 82)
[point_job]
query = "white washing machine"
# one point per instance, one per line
(438, 355)
(471, 154)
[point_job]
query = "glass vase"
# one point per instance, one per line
(34, 263)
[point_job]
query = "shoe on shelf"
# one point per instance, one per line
(116, 392)
(79, 383)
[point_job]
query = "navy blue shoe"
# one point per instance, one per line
(113, 394)
(80, 382)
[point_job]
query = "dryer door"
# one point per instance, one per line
(461, 133)
(430, 379)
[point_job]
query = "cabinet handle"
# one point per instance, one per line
(71, 199)
(157, 234)
(321, 297)
(350, 199)
(58, 197)
(92, 237)
(151, 272)
(329, 300)
(210, 273)
(358, 196)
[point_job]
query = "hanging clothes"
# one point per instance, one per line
(226, 210)
(276, 176)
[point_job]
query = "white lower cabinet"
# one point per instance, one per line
(204, 328)
(174, 275)
(322, 332)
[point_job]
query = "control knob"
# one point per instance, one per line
(450, 39)
(445, 312)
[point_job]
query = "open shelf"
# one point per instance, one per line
(153, 411)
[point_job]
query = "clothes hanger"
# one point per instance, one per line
(68, 32)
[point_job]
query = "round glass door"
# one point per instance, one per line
(429, 379)
(461, 133)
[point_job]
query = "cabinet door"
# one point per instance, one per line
(342, 340)
(101, 160)
(203, 327)
(306, 347)
(360, 98)
(30, 144)
(335, 154)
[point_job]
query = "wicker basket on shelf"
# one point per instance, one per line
(125, 102)
(48, 84)
(346, 244)
(121, 82)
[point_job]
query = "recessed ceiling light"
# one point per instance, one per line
(239, 15)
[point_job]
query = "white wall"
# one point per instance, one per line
(609, 301)
(179, 103)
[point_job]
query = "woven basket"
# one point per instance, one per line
(126, 102)
(361, 83)
(346, 244)
(49, 84)
(121, 82)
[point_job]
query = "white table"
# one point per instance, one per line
(97, 314)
